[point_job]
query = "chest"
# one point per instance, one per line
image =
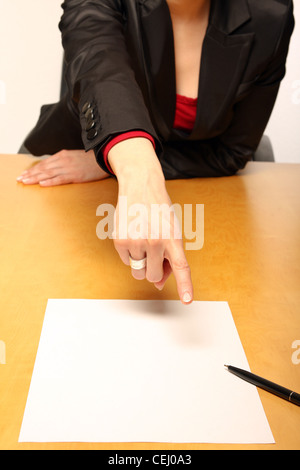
(188, 44)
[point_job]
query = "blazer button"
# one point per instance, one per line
(85, 107)
(89, 115)
(92, 134)
(90, 125)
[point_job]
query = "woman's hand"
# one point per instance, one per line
(142, 192)
(64, 167)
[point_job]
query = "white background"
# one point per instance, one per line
(30, 73)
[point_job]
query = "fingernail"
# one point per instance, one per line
(187, 297)
(26, 180)
(20, 178)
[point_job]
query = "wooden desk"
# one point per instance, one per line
(250, 258)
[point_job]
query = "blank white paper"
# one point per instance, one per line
(141, 371)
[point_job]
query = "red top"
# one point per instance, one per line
(185, 117)
(186, 110)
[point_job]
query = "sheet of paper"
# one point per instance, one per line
(141, 371)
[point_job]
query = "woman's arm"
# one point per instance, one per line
(102, 82)
(99, 74)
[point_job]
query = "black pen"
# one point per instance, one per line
(271, 387)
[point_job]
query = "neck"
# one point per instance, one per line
(188, 9)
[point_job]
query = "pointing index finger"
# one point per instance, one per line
(181, 271)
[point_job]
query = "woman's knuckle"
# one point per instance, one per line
(137, 244)
(181, 264)
(120, 243)
(154, 243)
(63, 153)
(59, 180)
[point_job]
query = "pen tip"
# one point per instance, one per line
(226, 366)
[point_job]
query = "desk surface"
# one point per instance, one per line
(250, 258)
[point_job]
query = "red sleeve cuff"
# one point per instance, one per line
(120, 138)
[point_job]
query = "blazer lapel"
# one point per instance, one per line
(158, 43)
(224, 59)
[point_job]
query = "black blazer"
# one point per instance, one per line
(120, 71)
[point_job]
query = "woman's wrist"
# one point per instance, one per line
(135, 159)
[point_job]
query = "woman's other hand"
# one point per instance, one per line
(64, 167)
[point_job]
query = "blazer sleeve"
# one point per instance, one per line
(229, 152)
(99, 73)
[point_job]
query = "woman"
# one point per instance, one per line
(161, 89)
